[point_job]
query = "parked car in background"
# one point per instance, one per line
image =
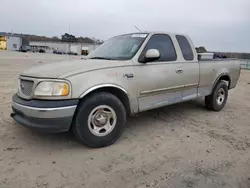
(41, 50)
(72, 53)
(85, 52)
(126, 75)
(23, 49)
(58, 51)
(35, 50)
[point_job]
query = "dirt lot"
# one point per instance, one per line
(180, 146)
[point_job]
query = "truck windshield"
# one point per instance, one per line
(122, 47)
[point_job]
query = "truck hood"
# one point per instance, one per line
(67, 68)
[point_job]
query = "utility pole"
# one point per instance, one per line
(69, 43)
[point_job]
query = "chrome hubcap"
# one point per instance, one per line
(102, 120)
(220, 96)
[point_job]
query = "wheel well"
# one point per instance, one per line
(227, 79)
(117, 92)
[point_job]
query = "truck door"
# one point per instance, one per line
(190, 68)
(158, 82)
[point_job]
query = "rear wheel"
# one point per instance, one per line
(217, 100)
(100, 120)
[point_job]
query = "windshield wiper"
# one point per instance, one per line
(106, 58)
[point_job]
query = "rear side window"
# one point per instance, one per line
(185, 48)
(164, 44)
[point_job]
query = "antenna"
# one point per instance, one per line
(137, 28)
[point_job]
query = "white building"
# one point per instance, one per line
(64, 46)
(10, 42)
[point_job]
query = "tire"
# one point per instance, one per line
(217, 100)
(96, 112)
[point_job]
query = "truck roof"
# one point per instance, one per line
(164, 32)
(155, 32)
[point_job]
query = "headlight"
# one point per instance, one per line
(52, 89)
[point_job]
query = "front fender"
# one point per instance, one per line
(102, 86)
(83, 84)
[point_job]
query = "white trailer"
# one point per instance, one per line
(76, 49)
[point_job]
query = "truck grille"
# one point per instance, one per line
(26, 87)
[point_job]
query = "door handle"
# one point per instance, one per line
(179, 71)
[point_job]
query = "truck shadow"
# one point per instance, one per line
(175, 110)
(135, 125)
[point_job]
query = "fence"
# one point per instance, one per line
(245, 64)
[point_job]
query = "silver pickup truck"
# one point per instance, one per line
(126, 75)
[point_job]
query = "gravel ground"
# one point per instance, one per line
(182, 145)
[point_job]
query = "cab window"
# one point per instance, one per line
(185, 48)
(164, 44)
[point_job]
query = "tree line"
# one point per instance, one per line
(66, 37)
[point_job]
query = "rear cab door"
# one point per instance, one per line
(190, 67)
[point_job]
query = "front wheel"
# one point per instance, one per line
(99, 120)
(217, 100)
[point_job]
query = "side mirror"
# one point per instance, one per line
(152, 54)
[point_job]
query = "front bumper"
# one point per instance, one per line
(43, 115)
